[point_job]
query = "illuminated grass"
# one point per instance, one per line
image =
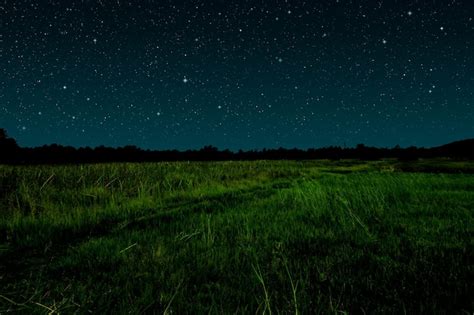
(245, 237)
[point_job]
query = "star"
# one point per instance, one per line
(234, 60)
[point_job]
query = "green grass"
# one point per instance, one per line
(238, 237)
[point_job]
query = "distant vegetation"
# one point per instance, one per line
(11, 153)
(298, 237)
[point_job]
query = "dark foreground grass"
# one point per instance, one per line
(237, 237)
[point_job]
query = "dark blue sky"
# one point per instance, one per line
(237, 74)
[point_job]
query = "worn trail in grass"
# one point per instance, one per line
(245, 237)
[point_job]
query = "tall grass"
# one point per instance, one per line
(236, 237)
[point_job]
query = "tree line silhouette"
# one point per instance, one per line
(11, 153)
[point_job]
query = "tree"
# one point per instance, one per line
(3, 134)
(8, 147)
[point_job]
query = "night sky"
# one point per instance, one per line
(237, 74)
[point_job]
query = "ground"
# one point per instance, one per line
(238, 237)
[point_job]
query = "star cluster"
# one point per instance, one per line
(237, 74)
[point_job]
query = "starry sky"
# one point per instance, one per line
(237, 74)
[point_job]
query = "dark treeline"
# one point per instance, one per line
(11, 153)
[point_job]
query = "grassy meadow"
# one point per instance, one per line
(298, 237)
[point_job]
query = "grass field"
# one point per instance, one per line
(238, 237)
